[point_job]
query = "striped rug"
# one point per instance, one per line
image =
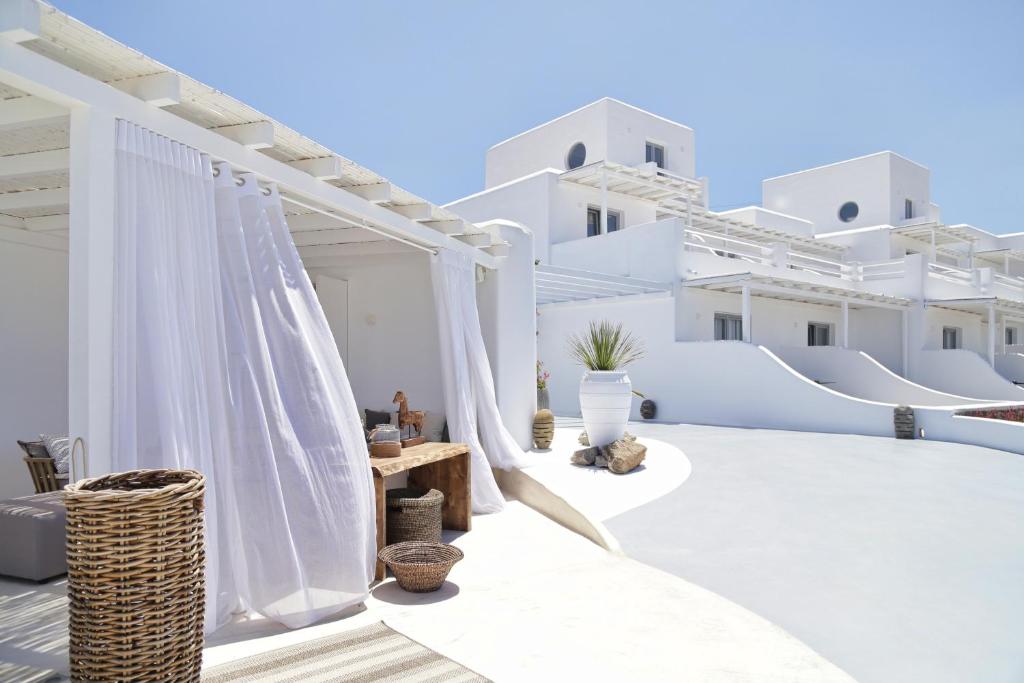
(373, 653)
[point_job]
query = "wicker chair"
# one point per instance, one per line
(41, 467)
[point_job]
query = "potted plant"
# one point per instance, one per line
(606, 393)
(543, 399)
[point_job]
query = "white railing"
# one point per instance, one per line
(950, 274)
(782, 256)
(724, 245)
(816, 264)
(881, 270)
(1011, 281)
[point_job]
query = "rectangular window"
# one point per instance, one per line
(908, 209)
(819, 334)
(656, 153)
(1011, 336)
(614, 220)
(951, 337)
(594, 221)
(728, 327)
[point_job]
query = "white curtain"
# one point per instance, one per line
(470, 404)
(224, 363)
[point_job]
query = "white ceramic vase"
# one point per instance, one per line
(606, 397)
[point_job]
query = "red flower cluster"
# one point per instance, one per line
(1011, 414)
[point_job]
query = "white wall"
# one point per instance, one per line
(1010, 366)
(647, 252)
(965, 373)
(878, 183)
(723, 383)
(33, 355)
(508, 320)
(392, 330)
(855, 373)
(772, 220)
(878, 332)
(610, 130)
(739, 384)
(569, 204)
(774, 323)
(526, 201)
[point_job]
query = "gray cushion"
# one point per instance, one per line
(32, 536)
(60, 450)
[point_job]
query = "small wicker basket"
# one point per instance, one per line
(136, 576)
(414, 515)
(420, 567)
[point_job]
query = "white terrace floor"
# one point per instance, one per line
(898, 561)
(531, 602)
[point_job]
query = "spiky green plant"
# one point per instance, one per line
(605, 346)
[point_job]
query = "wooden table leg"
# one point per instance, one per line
(451, 477)
(378, 489)
(461, 493)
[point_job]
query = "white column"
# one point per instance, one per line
(746, 313)
(845, 338)
(905, 320)
(91, 285)
(992, 335)
(508, 320)
(604, 202)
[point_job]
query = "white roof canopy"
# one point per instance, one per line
(684, 198)
(979, 305)
(555, 285)
(51, 62)
(787, 289)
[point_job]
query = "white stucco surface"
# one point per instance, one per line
(897, 560)
(596, 492)
(33, 355)
(531, 602)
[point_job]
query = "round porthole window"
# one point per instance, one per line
(848, 211)
(577, 155)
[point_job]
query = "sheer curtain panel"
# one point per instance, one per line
(470, 403)
(224, 363)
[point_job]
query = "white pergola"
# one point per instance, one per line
(941, 237)
(560, 285)
(994, 310)
(685, 198)
(747, 285)
(62, 87)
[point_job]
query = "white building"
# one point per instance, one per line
(850, 293)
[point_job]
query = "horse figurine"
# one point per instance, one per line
(406, 417)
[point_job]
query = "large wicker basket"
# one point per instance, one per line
(414, 515)
(135, 576)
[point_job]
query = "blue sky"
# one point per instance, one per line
(418, 91)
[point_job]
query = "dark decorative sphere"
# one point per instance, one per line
(648, 409)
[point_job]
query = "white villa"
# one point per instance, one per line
(842, 295)
(189, 284)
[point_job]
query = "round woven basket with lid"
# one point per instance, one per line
(414, 515)
(136, 576)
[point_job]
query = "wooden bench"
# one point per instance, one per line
(441, 466)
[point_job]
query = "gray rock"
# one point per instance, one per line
(624, 456)
(585, 456)
(601, 461)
